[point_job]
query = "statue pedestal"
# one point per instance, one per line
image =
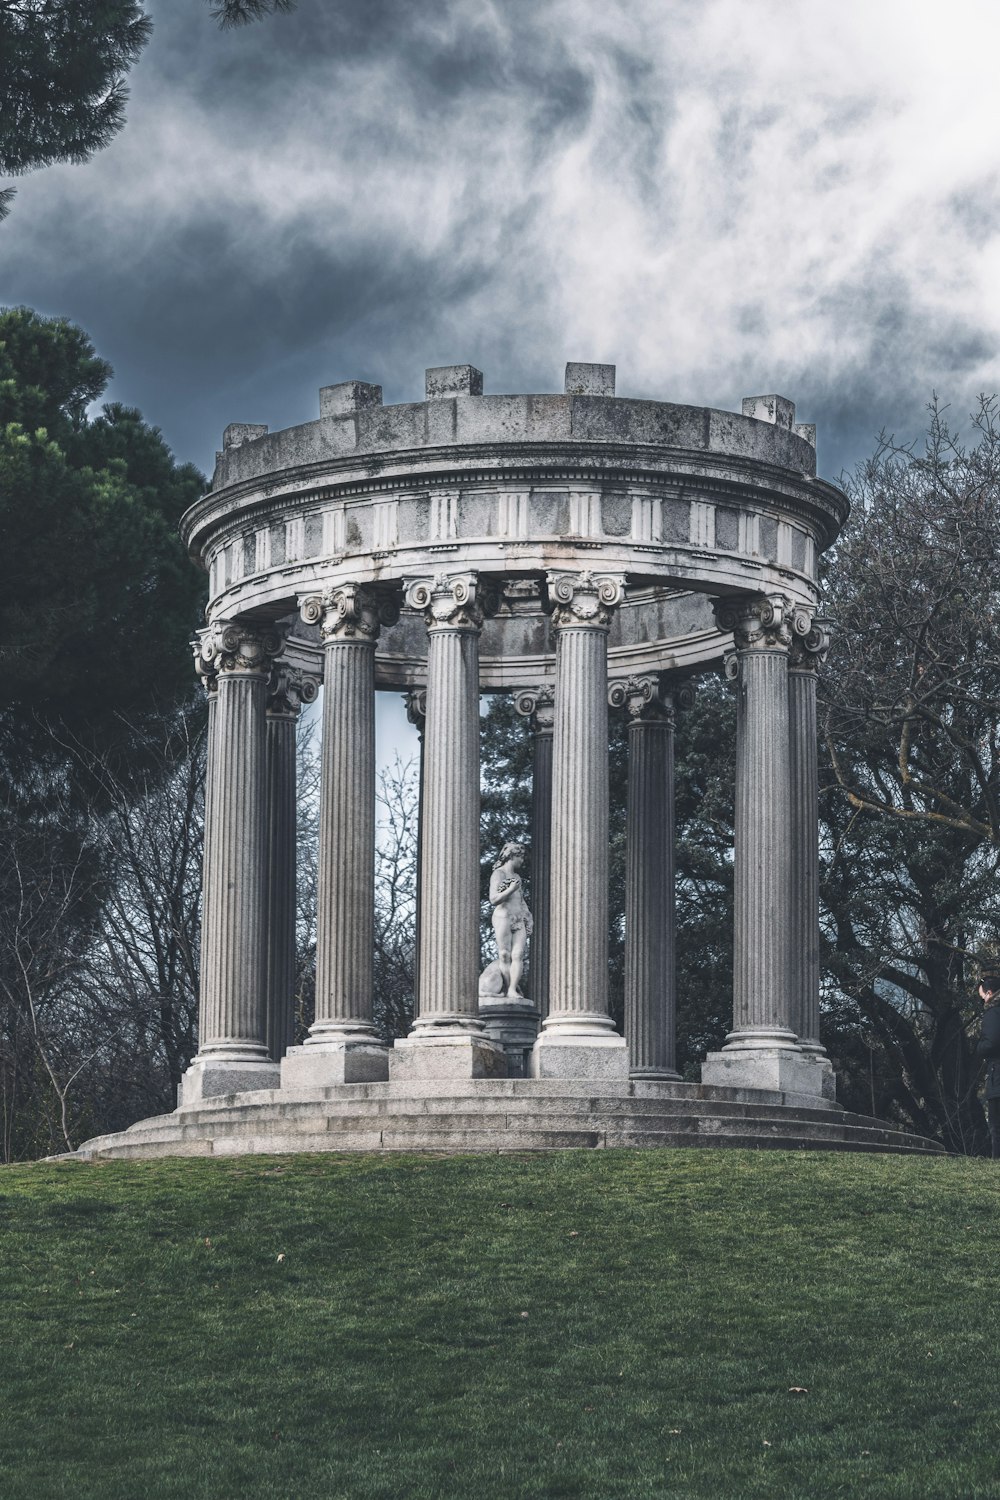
(514, 1024)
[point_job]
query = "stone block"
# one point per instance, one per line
(452, 380)
(589, 380)
(238, 433)
(780, 1069)
(455, 1057)
(806, 431)
(347, 398)
(321, 1065)
(210, 1078)
(776, 409)
(602, 1059)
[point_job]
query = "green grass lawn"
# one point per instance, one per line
(595, 1324)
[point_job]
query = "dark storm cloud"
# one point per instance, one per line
(725, 197)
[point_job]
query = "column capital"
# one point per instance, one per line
(584, 600)
(453, 601)
(809, 652)
(288, 689)
(762, 622)
(643, 697)
(349, 611)
(416, 708)
(236, 648)
(537, 704)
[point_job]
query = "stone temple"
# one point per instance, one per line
(587, 554)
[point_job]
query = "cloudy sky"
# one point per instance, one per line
(723, 197)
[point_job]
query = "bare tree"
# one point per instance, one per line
(396, 896)
(912, 802)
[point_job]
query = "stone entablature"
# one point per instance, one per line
(672, 497)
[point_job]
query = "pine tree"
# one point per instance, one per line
(63, 66)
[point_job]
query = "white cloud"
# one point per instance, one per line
(723, 195)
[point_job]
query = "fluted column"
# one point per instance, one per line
(289, 688)
(650, 962)
(232, 1052)
(343, 1045)
(447, 1037)
(538, 706)
(762, 1049)
(808, 652)
(578, 1037)
(416, 712)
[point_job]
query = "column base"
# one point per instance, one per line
(320, 1064)
(782, 1070)
(453, 1055)
(514, 1024)
(562, 1053)
(209, 1078)
(654, 1075)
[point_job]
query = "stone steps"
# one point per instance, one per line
(530, 1116)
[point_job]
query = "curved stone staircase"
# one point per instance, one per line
(498, 1115)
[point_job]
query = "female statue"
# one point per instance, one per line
(511, 919)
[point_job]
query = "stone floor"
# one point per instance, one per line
(496, 1115)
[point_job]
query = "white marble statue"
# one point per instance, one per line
(512, 926)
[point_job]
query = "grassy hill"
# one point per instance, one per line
(591, 1325)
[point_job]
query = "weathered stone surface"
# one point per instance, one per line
(590, 380)
(514, 1024)
(781, 1069)
(209, 1078)
(650, 964)
(323, 1064)
(347, 398)
(452, 1055)
(597, 1058)
(453, 380)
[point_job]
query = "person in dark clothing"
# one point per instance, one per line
(988, 1046)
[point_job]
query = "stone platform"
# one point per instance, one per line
(501, 1115)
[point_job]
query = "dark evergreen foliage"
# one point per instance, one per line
(63, 66)
(97, 596)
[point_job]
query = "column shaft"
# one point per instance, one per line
(578, 1039)
(449, 853)
(345, 917)
(578, 932)
(448, 1039)
(280, 878)
(650, 983)
(416, 712)
(541, 866)
(343, 1045)
(232, 954)
(763, 929)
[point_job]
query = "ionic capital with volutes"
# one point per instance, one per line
(288, 689)
(236, 648)
(583, 600)
(643, 698)
(538, 706)
(453, 601)
(350, 612)
(762, 622)
(809, 651)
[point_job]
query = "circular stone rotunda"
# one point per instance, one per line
(587, 554)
